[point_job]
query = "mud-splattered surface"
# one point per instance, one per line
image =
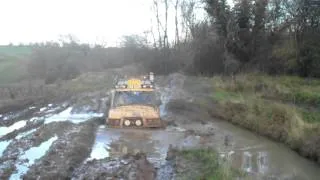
(69, 140)
(129, 167)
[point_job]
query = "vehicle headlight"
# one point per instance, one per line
(127, 123)
(138, 122)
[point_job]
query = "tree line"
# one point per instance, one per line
(272, 36)
(276, 36)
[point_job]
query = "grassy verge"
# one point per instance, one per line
(205, 164)
(291, 89)
(285, 109)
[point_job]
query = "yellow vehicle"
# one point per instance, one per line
(134, 104)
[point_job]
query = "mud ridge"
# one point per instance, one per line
(12, 117)
(66, 154)
(11, 155)
(129, 167)
(29, 126)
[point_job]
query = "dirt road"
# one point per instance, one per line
(69, 140)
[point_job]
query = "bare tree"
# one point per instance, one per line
(156, 8)
(177, 39)
(188, 17)
(165, 39)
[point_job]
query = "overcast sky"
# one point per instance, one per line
(92, 21)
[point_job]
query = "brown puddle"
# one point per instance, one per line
(116, 143)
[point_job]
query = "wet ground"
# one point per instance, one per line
(69, 140)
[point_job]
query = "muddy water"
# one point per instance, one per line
(256, 155)
(260, 156)
(118, 142)
(115, 143)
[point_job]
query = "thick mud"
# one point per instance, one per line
(13, 156)
(69, 140)
(65, 154)
(129, 167)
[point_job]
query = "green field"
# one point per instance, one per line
(15, 50)
(13, 63)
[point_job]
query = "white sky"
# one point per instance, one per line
(92, 21)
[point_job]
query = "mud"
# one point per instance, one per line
(10, 118)
(16, 148)
(83, 148)
(131, 167)
(16, 105)
(72, 147)
(29, 126)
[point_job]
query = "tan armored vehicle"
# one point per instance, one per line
(134, 104)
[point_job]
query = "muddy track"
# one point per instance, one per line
(29, 126)
(66, 154)
(11, 155)
(129, 167)
(75, 146)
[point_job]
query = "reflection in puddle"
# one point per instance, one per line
(3, 146)
(155, 143)
(99, 151)
(255, 162)
(247, 161)
(29, 157)
(43, 109)
(21, 135)
(7, 130)
(102, 143)
(262, 162)
(68, 115)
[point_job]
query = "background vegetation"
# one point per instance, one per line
(272, 36)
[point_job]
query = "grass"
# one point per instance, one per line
(283, 108)
(12, 63)
(89, 82)
(15, 50)
(286, 88)
(221, 95)
(207, 165)
(310, 116)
